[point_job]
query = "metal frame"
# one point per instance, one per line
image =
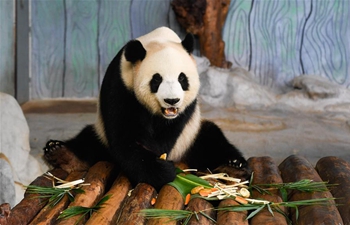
(22, 51)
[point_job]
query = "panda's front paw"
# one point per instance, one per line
(53, 151)
(52, 145)
(58, 155)
(165, 172)
(238, 163)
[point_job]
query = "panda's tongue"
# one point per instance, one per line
(170, 111)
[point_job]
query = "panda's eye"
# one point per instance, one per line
(183, 81)
(155, 82)
(157, 78)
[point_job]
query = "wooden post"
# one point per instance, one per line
(206, 19)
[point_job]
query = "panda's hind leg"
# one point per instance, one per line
(76, 154)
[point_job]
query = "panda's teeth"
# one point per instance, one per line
(170, 111)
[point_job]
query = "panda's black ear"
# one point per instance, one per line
(188, 43)
(134, 51)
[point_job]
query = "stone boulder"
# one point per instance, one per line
(17, 166)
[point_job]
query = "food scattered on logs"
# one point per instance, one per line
(270, 197)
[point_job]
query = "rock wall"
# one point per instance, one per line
(17, 166)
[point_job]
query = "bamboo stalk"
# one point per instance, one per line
(108, 214)
(168, 198)
(197, 205)
(229, 217)
(140, 199)
(266, 172)
(98, 176)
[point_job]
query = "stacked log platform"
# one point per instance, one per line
(125, 202)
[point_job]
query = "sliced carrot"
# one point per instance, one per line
(187, 199)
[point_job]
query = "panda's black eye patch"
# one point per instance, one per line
(183, 80)
(155, 82)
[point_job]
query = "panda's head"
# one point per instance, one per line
(160, 70)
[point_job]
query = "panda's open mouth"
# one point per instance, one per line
(170, 112)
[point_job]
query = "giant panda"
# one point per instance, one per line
(147, 107)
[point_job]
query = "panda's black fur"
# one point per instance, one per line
(137, 137)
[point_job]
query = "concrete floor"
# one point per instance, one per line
(270, 132)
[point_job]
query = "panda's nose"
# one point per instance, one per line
(172, 101)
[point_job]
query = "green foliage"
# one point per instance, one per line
(83, 211)
(54, 194)
(305, 185)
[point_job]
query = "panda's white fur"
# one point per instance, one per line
(187, 137)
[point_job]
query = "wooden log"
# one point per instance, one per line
(31, 204)
(48, 215)
(108, 214)
(140, 199)
(265, 171)
(225, 217)
(337, 171)
(168, 198)
(198, 204)
(295, 168)
(98, 176)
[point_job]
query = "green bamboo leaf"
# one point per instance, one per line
(195, 213)
(315, 201)
(73, 211)
(255, 212)
(80, 210)
(165, 213)
(280, 211)
(78, 190)
(185, 183)
(53, 194)
(240, 208)
(207, 216)
(187, 220)
(270, 210)
(102, 201)
(284, 194)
